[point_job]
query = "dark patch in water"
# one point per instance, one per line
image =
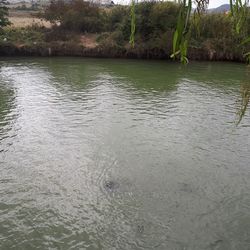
(215, 244)
(140, 228)
(185, 187)
(111, 186)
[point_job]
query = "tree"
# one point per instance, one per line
(189, 18)
(239, 12)
(4, 21)
(75, 15)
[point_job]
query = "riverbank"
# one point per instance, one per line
(68, 48)
(105, 34)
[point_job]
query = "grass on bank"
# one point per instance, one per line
(155, 24)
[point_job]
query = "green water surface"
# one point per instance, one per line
(123, 154)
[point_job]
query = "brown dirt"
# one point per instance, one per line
(26, 18)
(19, 22)
(89, 41)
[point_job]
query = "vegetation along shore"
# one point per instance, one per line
(80, 28)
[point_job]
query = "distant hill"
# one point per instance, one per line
(221, 9)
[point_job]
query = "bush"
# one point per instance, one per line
(58, 34)
(3, 14)
(75, 15)
(163, 16)
(116, 17)
(152, 20)
(29, 35)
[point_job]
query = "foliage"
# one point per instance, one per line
(117, 16)
(239, 16)
(133, 22)
(155, 28)
(20, 36)
(239, 12)
(153, 18)
(164, 16)
(244, 101)
(187, 21)
(3, 14)
(57, 34)
(75, 15)
(180, 39)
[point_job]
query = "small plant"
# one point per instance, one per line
(3, 14)
(20, 36)
(245, 98)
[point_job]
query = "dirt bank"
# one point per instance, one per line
(90, 49)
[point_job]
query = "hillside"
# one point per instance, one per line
(221, 9)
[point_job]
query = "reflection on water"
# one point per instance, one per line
(245, 97)
(113, 154)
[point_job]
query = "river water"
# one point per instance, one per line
(123, 154)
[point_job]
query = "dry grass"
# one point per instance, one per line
(89, 40)
(19, 22)
(24, 18)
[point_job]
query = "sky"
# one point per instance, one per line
(217, 3)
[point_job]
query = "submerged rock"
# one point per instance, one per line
(111, 186)
(140, 228)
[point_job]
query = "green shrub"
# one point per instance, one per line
(3, 14)
(75, 15)
(116, 17)
(28, 35)
(58, 34)
(152, 19)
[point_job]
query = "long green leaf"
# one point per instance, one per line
(232, 7)
(175, 40)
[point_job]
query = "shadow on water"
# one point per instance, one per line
(5, 104)
(161, 75)
(245, 97)
(139, 80)
(8, 114)
(144, 76)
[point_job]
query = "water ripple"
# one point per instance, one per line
(103, 154)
